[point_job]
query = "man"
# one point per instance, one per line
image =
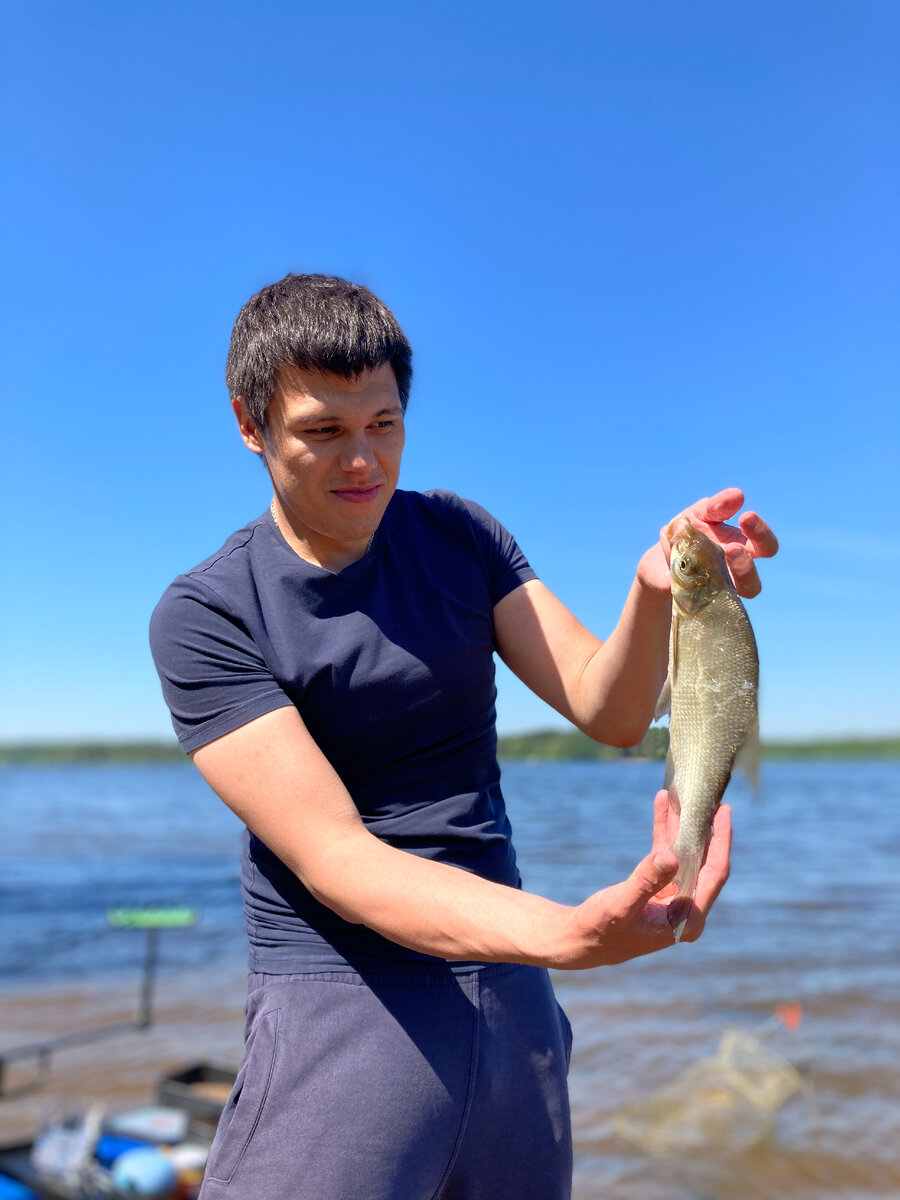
(331, 671)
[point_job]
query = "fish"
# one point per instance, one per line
(710, 695)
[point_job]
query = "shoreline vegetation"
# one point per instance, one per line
(547, 745)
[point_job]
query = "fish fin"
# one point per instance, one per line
(664, 703)
(673, 648)
(669, 780)
(747, 758)
(680, 905)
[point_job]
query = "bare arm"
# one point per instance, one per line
(273, 776)
(609, 689)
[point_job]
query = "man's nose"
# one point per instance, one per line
(357, 453)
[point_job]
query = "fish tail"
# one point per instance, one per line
(680, 905)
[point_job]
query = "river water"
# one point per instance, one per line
(807, 921)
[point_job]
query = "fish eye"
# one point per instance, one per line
(684, 564)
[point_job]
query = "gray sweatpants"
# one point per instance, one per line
(399, 1087)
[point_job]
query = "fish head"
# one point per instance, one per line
(697, 566)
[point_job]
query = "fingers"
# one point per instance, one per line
(665, 829)
(715, 871)
(630, 919)
(623, 921)
(741, 555)
(752, 539)
(718, 508)
(649, 877)
(762, 540)
(661, 820)
(742, 567)
(713, 874)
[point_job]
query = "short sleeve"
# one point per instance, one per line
(507, 566)
(213, 677)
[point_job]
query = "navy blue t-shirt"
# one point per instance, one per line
(390, 664)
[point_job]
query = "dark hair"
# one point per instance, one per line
(316, 323)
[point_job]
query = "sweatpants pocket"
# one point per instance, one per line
(566, 1032)
(248, 1097)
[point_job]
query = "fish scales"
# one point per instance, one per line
(711, 694)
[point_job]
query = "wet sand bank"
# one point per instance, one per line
(621, 1052)
(194, 1021)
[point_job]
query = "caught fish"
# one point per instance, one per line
(710, 695)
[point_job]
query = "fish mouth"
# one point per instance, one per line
(685, 543)
(696, 565)
(679, 530)
(676, 525)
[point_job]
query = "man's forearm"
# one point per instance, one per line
(620, 685)
(275, 779)
(436, 908)
(442, 910)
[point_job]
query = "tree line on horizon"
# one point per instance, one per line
(546, 745)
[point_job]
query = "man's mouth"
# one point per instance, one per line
(357, 495)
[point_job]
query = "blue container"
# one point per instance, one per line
(110, 1147)
(145, 1172)
(11, 1189)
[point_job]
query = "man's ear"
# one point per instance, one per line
(253, 438)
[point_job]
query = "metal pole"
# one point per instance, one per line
(151, 957)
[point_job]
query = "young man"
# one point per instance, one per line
(331, 671)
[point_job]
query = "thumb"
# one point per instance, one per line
(649, 877)
(665, 543)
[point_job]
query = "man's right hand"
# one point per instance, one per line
(630, 919)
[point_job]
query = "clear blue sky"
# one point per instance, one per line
(642, 251)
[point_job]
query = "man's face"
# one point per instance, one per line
(333, 449)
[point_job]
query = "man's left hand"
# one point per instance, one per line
(743, 544)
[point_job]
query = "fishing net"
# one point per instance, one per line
(728, 1101)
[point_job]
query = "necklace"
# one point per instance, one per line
(280, 530)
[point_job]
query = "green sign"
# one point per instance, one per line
(152, 918)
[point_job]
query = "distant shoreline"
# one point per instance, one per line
(548, 745)
(564, 745)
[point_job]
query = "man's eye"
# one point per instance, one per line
(386, 424)
(323, 429)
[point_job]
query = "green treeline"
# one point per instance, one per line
(560, 745)
(886, 747)
(548, 745)
(92, 752)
